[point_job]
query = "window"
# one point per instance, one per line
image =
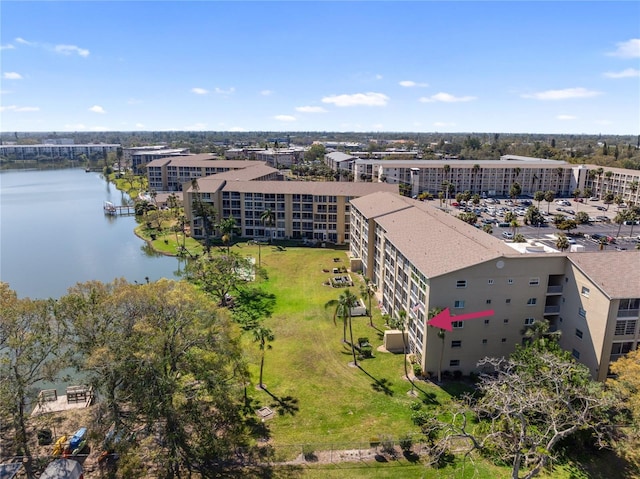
(529, 321)
(458, 304)
(454, 362)
(578, 333)
(509, 281)
(484, 341)
(534, 281)
(575, 353)
(457, 324)
(584, 291)
(532, 301)
(505, 320)
(456, 344)
(582, 313)
(488, 301)
(490, 281)
(508, 301)
(461, 283)
(504, 340)
(486, 321)
(627, 326)
(618, 349)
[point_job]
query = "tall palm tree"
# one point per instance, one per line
(368, 291)
(342, 309)
(205, 212)
(268, 218)
(538, 196)
(599, 172)
(227, 228)
(549, 196)
(262, 335)
(441, 334)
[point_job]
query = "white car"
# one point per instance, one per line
(507, 235)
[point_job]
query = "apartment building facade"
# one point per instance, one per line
(52, 151)
(170, 174)
(495, 177)
(307, 211)
(445, 263)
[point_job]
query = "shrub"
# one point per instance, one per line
(406, 442)
(457, 374)
(417, 370)
(388, 445)
(374, 441)
(309, 453)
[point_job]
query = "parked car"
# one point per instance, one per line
(593, 198)
(601, 208)
(507, 235)
(63, 469)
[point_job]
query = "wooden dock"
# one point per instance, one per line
(113, 210)
(77, 397)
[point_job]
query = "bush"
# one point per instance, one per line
(457, 374)
(417, 370)
(309, 453)
(374, 441)
(406, 442)
(388, 445)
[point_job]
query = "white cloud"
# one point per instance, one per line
(285, 118)
(443, 124)
(604, 122)
(69, 49)
(97, 109)
(266, 92)
(366, 99)
(19, 108)
(627, 73)
(12, 76)
(23, 41)
(566, 117)
(446, 98)
(565, 94)
(77, 126)
(411, 84)
(199, 91)
(99, 128)
(310, 109)
(378, 77)
(139, 125)
(628, 49)
(8, 46)
(220, 91)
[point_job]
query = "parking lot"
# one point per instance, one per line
(601, 223)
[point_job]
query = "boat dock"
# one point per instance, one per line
(76, 397)
(113, 210)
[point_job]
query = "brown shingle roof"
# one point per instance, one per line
(615, 273)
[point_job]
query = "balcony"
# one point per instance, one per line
(554, 289)
(548, 310)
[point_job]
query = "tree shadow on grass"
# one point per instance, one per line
(283, 405)
(382, 385)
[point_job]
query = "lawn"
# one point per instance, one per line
(332, 402)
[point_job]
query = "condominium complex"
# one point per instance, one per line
(495, 177)
(170, 174)
(421, 258)
(55, 151)
(140, 156)
(311, 211)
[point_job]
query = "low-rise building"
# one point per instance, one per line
(422, 259)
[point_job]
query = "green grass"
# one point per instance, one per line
(336, 403)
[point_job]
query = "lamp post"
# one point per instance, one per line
(259, 251)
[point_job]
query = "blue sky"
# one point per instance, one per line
(419, 66)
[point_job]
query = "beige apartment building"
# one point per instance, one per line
(311, 211)
(421, 258)
(170, 174)
(495, 177)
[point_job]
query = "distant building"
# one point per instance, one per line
(54, 151)
(140, 157)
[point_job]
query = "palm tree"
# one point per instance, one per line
(262, 336)
(441, 334)
(205, 212)
(562, 243)
(227, 228)
(342, 309)
(539, 333)
(538, 196)
(368, 291)
(401, 324)
(599, 172)
(268, 218)
(549, 196)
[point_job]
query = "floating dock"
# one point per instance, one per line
(113, 210)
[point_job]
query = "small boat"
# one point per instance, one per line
(77, 442)
(60, 445)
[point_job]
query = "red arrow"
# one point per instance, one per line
(444, 319)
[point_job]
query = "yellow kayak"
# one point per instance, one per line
(59, 446)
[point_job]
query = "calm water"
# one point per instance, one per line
(54, 234)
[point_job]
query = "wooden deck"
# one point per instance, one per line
(77, 397)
